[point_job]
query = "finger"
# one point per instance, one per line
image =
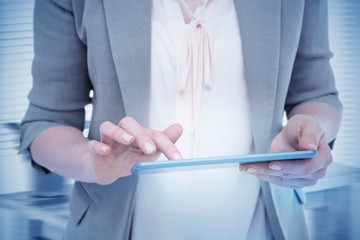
(165, 145)
(310, 135)
(289, 183)
(173, 132)
(279, 144)
(305, 167)
(111, 132)
(254, 167)
(142, 138)
(165, 140)
(274, 169)
(98, 148)
(260, 171)
(294, 168)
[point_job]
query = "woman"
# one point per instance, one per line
(225, 70)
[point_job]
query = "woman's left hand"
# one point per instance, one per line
(300, 133)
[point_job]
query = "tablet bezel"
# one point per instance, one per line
(205, 163)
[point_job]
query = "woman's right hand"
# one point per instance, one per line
(125, 144)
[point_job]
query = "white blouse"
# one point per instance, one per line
(201, 204)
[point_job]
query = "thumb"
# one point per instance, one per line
(173, 132)
(310, 136)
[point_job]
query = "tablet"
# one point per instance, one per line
(217, 162)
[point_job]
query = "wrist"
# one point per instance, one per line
(86, 166)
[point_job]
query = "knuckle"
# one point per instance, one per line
(310, 183)
(113, 131)
(321, 174)
(91, 145)
(273, 145)
(308, 170)
(142, 136)
(104, 126)
(329, 159)
(125, 120)
(286, 175)
(279, 180)
(108, 129)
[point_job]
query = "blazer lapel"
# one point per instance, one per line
(129, 28)
(259, 22)
(260, 30)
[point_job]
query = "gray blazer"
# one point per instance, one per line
(105, 46)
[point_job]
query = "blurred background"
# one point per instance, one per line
(34, 205)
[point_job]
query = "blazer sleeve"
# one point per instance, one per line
(61, 84)
(312, 77)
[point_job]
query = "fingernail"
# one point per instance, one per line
(149, 148)
(103, 148)
(275, 167)
(177, 156)
(127, 137)
(312, 146)
(251, 170)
